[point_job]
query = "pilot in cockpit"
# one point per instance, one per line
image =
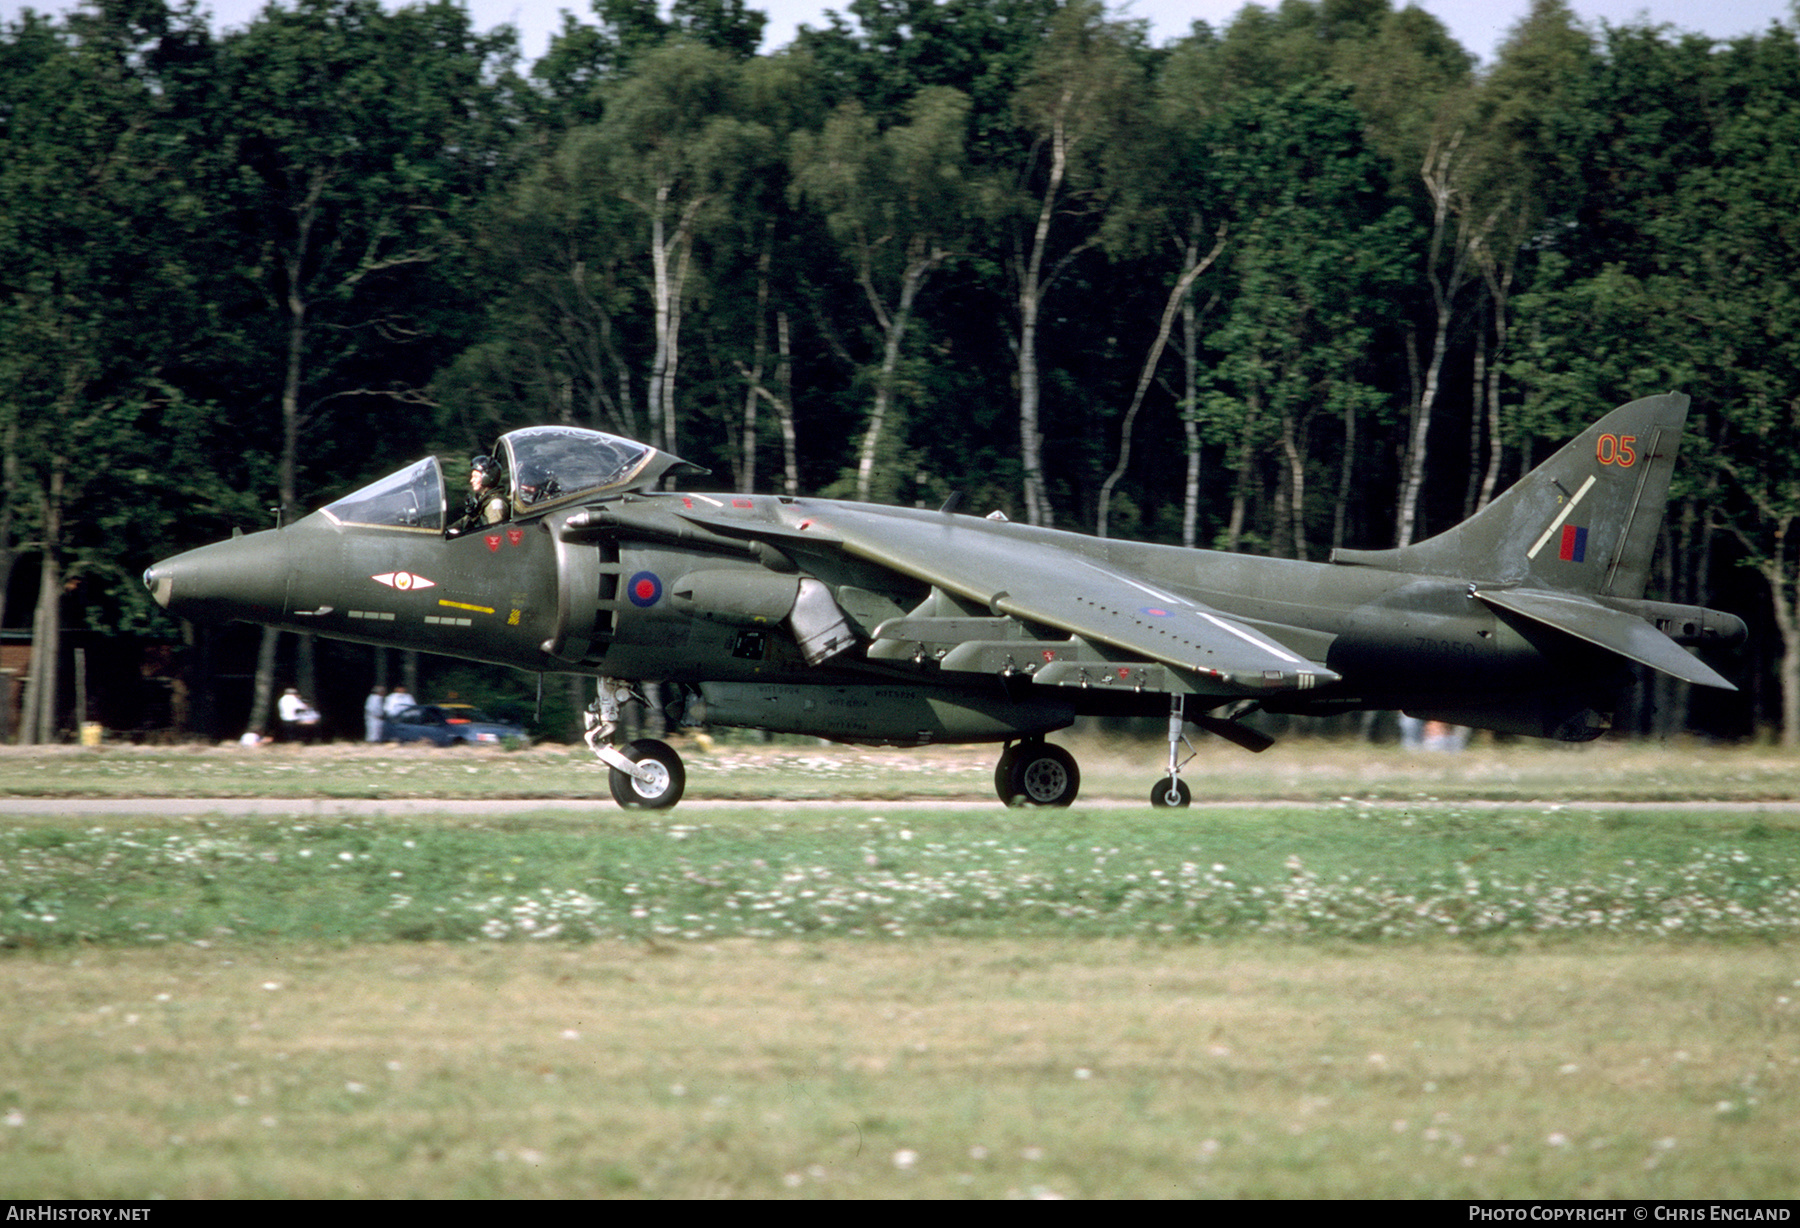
(486, 504)
(536, 484)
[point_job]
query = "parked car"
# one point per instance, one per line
(447, 725)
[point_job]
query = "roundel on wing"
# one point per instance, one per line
(644, 589)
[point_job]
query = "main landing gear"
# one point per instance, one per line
(1035, 773)
(646, 774)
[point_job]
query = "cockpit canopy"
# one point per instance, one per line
(413, 498)
(546, 467)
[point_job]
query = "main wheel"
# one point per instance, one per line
(668, 779)
(1040, 774)
(1171, 792)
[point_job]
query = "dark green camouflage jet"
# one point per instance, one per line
(896, 626)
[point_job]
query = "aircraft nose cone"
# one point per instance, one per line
(243, 578)
(160, 583)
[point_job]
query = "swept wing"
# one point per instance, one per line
(1024, 573)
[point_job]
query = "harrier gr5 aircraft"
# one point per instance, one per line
(899, 626)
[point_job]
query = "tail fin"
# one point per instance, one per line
(1583, 522)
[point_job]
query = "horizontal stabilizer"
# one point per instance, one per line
(1626, 634)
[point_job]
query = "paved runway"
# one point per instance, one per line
(328, 807)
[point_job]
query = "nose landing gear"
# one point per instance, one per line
(646, 774)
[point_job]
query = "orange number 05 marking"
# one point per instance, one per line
(1617, 450)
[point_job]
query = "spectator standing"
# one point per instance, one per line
(299, 719)
(374, 708)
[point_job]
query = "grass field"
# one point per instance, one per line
(1366, 984)
(933, 1068)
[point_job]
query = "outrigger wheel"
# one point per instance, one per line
(1035, 773)
(1171, 792)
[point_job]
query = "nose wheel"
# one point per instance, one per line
(659, 781)
(646, 774)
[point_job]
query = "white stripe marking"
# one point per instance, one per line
(1558, 522)
(1169, 599)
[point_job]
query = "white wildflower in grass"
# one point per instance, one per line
(880, 879)
(906, 1159)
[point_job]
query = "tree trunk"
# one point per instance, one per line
(1439, 174)
(784, 404)
(1293, 448)
(759, 353)
(1499, 283)
(1240, 494)
(38, 722)
(1340, 517)
(1031, 292)
(262, 691)
(659, 289)
(1421, 429)
(669, 267)
(1192, 266)
(1784, 593)
(918, 269)
(1190, 424)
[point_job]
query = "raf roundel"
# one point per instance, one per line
(644, 589)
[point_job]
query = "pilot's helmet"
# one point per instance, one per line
(535, 483)
(485, 468)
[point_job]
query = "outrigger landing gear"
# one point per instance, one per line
(1171, 792)
(647, 774)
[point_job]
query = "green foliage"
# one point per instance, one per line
(272, 263)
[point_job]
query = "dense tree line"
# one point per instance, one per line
(1306, 280)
